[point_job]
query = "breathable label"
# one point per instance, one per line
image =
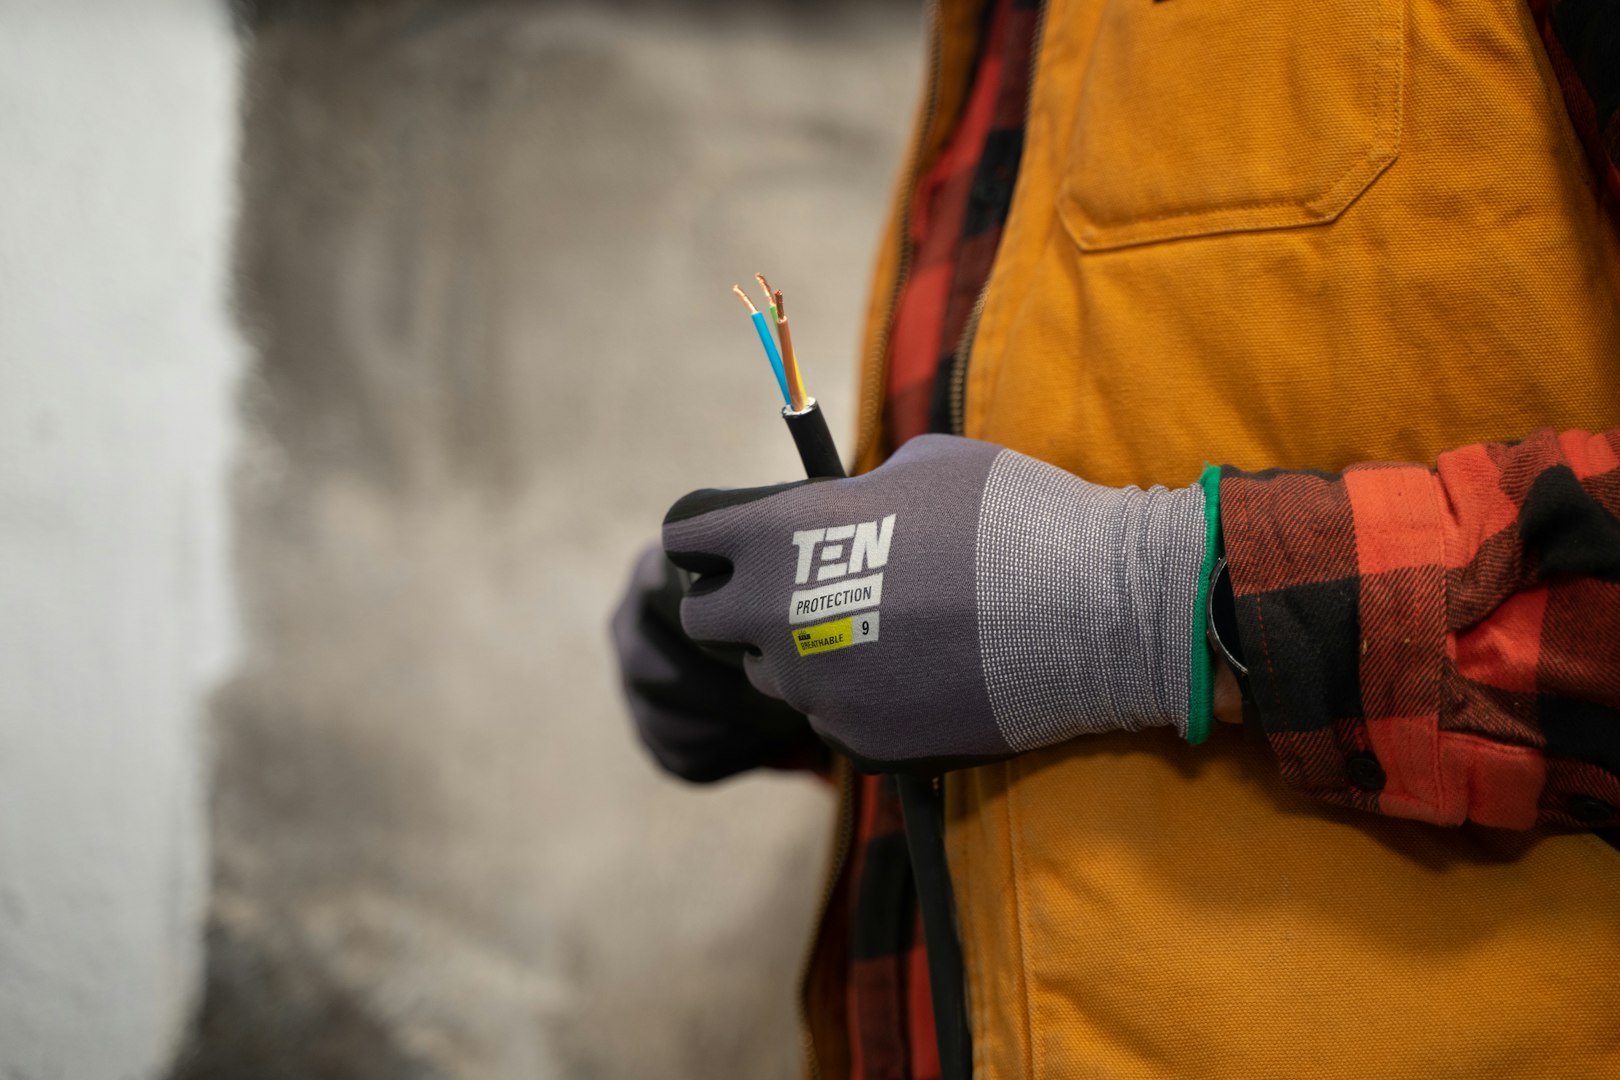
(839, 598)
(838, 634)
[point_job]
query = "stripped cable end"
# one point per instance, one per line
(790, 360)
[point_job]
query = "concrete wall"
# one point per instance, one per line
(117, 361)
(440, 851)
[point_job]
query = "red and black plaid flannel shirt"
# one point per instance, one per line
(958, 211)
(1442, 645)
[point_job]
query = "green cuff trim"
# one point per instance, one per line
(1201, 699)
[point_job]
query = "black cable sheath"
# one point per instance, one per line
(817, 450)
(922, 806)
(923, 809)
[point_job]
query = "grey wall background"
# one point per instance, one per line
(118, 364)
(483, 263)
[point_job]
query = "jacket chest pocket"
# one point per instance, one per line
(1211, 116)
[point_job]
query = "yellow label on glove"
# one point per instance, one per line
(837, 634)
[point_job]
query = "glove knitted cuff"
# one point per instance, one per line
(1087, 599)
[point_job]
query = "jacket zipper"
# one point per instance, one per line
(964, 344)
(870, 427)
(959, 362)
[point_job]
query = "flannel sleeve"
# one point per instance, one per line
(1440, 644)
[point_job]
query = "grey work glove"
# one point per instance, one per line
(696, 712)
(960, 604)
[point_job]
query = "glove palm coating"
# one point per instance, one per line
(958, 605)
(695, 712)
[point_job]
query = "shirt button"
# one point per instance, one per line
(1590, 811)
(1365, 772)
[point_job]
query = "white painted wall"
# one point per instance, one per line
(117, 371)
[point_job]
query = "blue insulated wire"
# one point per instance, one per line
(775, 356)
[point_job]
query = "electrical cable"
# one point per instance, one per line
(922, 805)
(790, 359)
(771, 353)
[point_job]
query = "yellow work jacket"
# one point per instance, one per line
(1303, 233)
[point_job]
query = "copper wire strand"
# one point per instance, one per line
(738, 289)
(790, 360)
(770, 297)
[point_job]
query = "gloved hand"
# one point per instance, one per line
(960, 604)
(696, 712)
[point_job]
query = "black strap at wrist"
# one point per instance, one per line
(1222, 634)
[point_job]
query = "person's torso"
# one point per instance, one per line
(1298, 235)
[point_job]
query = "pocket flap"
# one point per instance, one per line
(1212, 116)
